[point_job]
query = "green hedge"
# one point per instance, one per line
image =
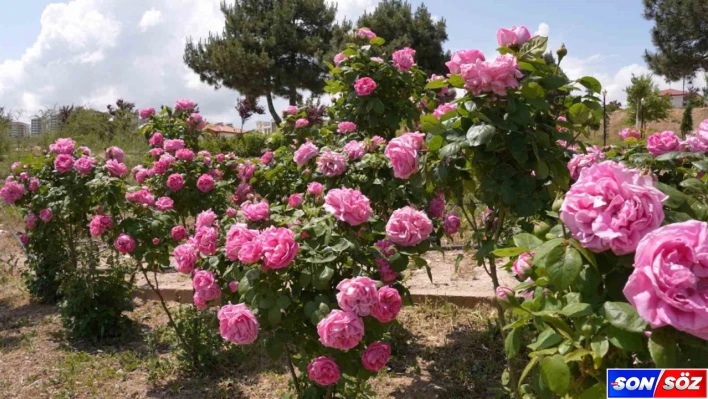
(244, 145)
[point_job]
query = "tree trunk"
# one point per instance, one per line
(271, 108)
(292, 99)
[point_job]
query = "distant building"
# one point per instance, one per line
(48, 123)
(54, 123)
(19, 129)
(679, 98)
(266, 127)
(36, 126)
(222, 130)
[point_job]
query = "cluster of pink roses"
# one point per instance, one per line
(402, 153)
(205, 288)
(403, 59)
(275, 245)
(628, 133)
(581, 161)
(387, 249)
(99, 224)
(324, 370)
(483, 76)
(436, 209)
(12, 191)
(698, 141)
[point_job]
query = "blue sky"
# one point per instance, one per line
(91, 51)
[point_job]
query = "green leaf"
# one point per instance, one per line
(377, 41)
(579, 113)
(563, 266)
(512, 343)
(453, 149)
(274, 316)
(577, 355)
(532, 91)
(435, 84)
(590, 83)
(625, 340)
(527, 369)
(577, 310)
(431, 124)
(399, 262)
(527, 240)
(622, 315)
(320, 280)
(457, 82)
(435, 143)
(534, 48)
(542, 252)
(274, 348)
(480, 134)
(546, 339)
(511, 251)
(457, 261)
(663, 349)
(283, 302)
(541, 169)
(600, 346)
(555, 374)
(589, 256)
(596, 391)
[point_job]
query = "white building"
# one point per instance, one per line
(19, 129)
(36, 126)
(266, 127)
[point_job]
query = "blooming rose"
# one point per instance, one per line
(339, 58)
(346, 127)
(206, 239)
(31, 221)
(661, 143)
(408, 227)
(24, 239)
(205, 288)
(670, 277)
(492, 76)
(251, 251)
(84, 165)
(306, 152)
(377, 59)
(233, 286)
(696, 144)
(402, 153)
(581, 161)
(627, 133)
(324, 371)
(463, 57)
(173, 145)
(46, 215)
(147, 112)
(291, 110)
(140, 197)
(125, 244)
(388, 305)
(63, 163)
(503, 293)
(238, 235)
(197, 121)
(386, 247)
(376, 356)
(403, 59)
(302, 122)
(175, 182)
(99, 224)
(237, 324)
(522, 264)
(612, 207)
(357, 295)
(452, 223)
(241, 193)
(267, 157)
(186, 256)
(184, 154)
(246, 170)
(115, 168)
(437, 206)
(354, 150)
(34, 184)
(164, 204)
(364, 86)
(365, 33)
(331, 163)
(255, 211)
(314, 188)
(388, 276)
(340, 330)
(12, 192)
(205, 183)
(62, 146)
(178, 233)
(348, 205)
(185, 105)
(157, 139)
(231, 212)
(279, 247)
(515, 36)
(295, 200)
(443, 109)
(114, 153)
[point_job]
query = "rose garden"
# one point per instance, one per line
(303, 252)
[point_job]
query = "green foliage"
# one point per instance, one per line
(246, 145)
(643, 97)
(680, 35)
(201, 332)
(687, 120)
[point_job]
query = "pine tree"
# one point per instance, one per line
(681, 36)
(270, 48)
(687, 121)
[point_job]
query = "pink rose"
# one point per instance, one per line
(267, 157)
(186, 256)
(233, 286)
(115, 168)
(196, 121)
(62, 146)
(17, 165)
(231, 212)
(175, 182)
(173, 145)
(339, 58)
(357, 295)
(612, 207)
(443, 109)
(124, 244)
(290, 110)
(63, 163)
(452, 223)
(388, 276)
(255, 211)
(306, 152)
(178, 233)
(661, 143)
(156, 241)
(220, 158)
(185, 105)
(246, 170)
(141, 197)
(376, 356)
(696, 144)
(388, 305)
(31, 221)
(184, 154)
(34, 184)
(205, 288)
(365, 33)
(364, 86)
(331, 163)
(408, 227)
(302, 122)
(403, 59)
(386, 247)
(346, 127)
(46, 215)
(515, 36)
(279, 247)
(251, 251)
(354, 150)
(670, 276)
(522, 264)
(164, 204)
(437, 206)
(323, 371)
(377, 59)
(402, 153)
(145, 113)
(99, 224)
(340, 330)
(295, 200)
(581, 161)
(348, 205)
(157, 139)
(627, 133)
(205, 183)
(84, 165)
(314, 188)
(24, 239)
(206, 218)
(206, 240)
(241, 193)
(160, 167)
(12, 192)
(114, 153)
(238, 235)
(504, 293)
(492, 76)
(463, 57)
(237, 324)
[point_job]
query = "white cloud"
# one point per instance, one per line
(543, 29)
(152, 17)
(352, 9)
